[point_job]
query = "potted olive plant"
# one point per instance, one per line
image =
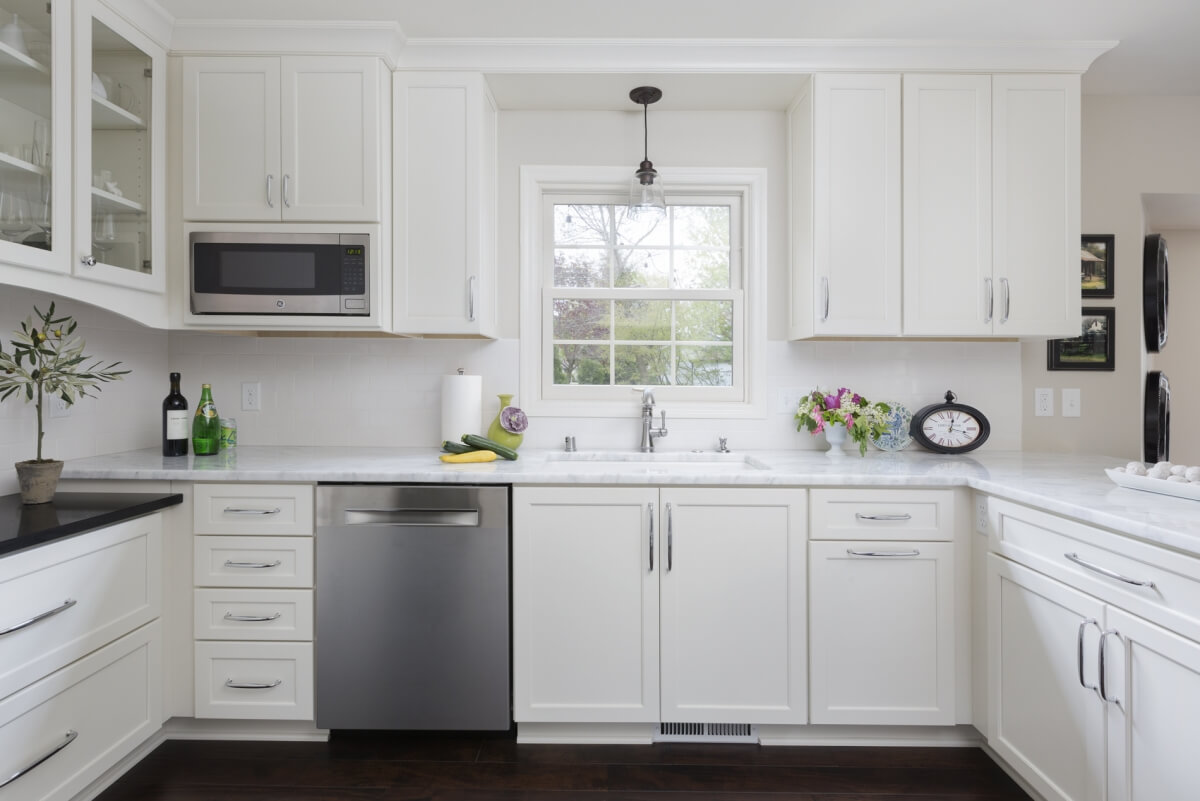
(46, 360)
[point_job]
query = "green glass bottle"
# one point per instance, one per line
(206, 425)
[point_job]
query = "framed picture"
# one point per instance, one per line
(1093, 349)
(1096, 266)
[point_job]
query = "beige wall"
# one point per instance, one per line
(1179, 359)
(1131, 146)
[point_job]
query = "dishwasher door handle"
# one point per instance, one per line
(410, 517)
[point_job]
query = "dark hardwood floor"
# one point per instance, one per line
(395, 767)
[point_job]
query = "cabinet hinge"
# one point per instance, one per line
(48, 7)
(148, 73)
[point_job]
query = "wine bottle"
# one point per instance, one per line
(206, 425)
(174, 421)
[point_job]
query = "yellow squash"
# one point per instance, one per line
(468, 457)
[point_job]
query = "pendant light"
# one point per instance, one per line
(645, 190)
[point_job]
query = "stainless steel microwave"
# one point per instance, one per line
(280, 272)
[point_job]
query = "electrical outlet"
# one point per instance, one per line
(1043, 402)
(59, 407)
(251, 396)
(1070, 403)
(981, 514)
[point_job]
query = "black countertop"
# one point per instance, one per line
(72, 513)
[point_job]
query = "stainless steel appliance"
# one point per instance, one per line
(280, 272)
(412, 599)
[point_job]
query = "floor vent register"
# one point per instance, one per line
(706, 733)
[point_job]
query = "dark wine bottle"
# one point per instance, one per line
(175, 421)
(206, 425)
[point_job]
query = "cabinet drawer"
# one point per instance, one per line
(271, 509)
(1160, 585)
(66, 599)
(276, 679)
(253, 562)
(881, 514)
(112, 701)
(238, 614)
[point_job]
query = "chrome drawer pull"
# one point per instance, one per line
(1079, 652)
(252, 618)
(861, 516)
(913, 552)
(70, 738)
(1103, 690)
(1112, 574)
(67, 604)
(253, 565)
(251, 685)
(230, 511)
(650, 510)
(670, 539)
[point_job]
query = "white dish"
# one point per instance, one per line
(1159, 485)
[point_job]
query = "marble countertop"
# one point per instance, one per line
(1071, 485)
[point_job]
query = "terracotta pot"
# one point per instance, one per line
(38, 480)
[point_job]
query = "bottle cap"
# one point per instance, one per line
(174, 376)
(206, 386)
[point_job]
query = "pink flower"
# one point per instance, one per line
(820, 424)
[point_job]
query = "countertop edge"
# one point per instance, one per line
(153, 502)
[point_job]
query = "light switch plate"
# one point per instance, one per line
(1043, 402)
(1070, 403)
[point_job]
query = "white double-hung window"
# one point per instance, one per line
(615, 299)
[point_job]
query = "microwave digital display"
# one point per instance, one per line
(354, 251)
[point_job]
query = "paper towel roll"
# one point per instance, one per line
(462, 406)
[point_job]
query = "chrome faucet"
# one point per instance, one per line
(649, 432)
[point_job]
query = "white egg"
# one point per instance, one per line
(1177, 479)
(1178, 469)
(1193, 474)
(1157, 472)
(1165, 465)
(1135, 469)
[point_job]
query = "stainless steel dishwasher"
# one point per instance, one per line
(412, 600)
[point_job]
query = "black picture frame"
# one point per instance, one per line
(1096, 279)
(1093, 349)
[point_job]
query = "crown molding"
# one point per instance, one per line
(280, 37)
(747, 55)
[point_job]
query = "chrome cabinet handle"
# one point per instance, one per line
(270, 192)
(670, 539)
(1103, 689)
(87, 261)
(231, 511)
(471, 298)
(903, 516)
(67, 740)
(67, 604)
(251, 685)
(991, 300)
(1079, 652)
(650, 509)
(1112, 574)
(1007, 298)
(252, 618)
(825, 295)
(287, 201)
(913, 552)
(253, 565)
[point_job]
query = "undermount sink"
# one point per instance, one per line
(662, 461)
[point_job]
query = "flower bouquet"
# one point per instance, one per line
(820, 409)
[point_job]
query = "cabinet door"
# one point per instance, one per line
(733, 612)
(856, 208)
(445, 196)
(1153, 732)
(1041, 719)
(948, 287)
(330, 150)
(882, 644)
(231, 160)
(585, 605)
(1035, 166)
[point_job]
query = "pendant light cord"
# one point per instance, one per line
(645, 132)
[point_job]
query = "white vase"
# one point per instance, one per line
(835, 435)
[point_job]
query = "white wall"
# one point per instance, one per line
(1179, 359)
(1131, 146)
(125, 415)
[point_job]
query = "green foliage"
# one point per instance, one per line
(47, 360)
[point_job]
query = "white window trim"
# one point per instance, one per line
(750, 183)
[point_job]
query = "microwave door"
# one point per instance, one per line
(247, 277)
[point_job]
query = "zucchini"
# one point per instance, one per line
(476, 441)
(470, 457)
(450, 446)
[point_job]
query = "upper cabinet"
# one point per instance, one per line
(989, 202)
(444, 157)
(292, 139)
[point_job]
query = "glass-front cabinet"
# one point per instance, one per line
(35, 131)
(119, 153)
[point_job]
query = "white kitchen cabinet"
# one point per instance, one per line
(444, 162)
(845, 174)
(292, 139)
(732, 631)
(948, 283)
(1036, 206)
(882, 640)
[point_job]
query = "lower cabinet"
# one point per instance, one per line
(617, 588)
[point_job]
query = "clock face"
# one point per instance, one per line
(951, 428)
